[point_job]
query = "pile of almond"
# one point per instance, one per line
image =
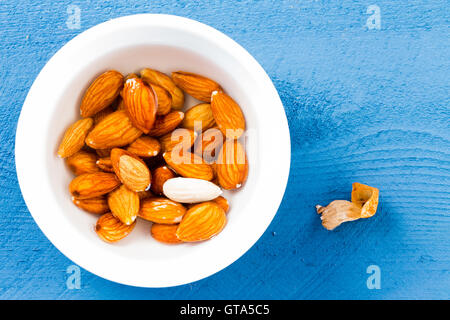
(135, 153)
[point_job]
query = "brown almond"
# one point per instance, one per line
(164, 81)
(199, 117)
(164, 100)
(165, 233)
(99, 116)
(208, 144)
(115, 130)
(195, 85)
(145, 147)
(101, 93)
(202, 222)
(97, 205)
(223, 203)
(82, 162)
(228, 115)
(105, 164)
(159, 176)
(161, 210)
(110, 229)
(167, 123)
(181, 138)
(189, 165)
(103, 153)
(231, 165)
(73, 139)
(130, 169)
(124, 204)
(92, 185)
(140, 103)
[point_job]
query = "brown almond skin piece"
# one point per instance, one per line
(82, 162)
(166, 124)
(73, 139)
(101, 93)
(97, 205)
(115, 130)
(195, 85)
(110, 229)
(140, 103)
(92, 185)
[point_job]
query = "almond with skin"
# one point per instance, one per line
(145, 194)
(92, 185)
(97, 205)
(82, 162)
(180, 138)
(162, 210)
(159, 176)
(223, 203)
(195, 85)
(164, 81)
(103, 153)
(165, 233)
(228, 115)
(164, 100)
(101, 93)
(199, 118)
(74, 137)
(110, 229)
(208, 144)
(145, 147)
(124, 204)
(202, 222)
(105, 164)
(99, 116)
(115, 130)
(189, 165)
(167, 123)
(231, 165)
(131, 170)
(140, 103)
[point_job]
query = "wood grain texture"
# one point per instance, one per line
(363, 105)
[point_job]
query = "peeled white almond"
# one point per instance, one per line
(189, 190)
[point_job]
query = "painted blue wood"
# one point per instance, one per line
(363, 105)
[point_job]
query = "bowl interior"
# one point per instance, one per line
(139, 244)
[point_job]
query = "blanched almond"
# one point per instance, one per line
(190, 190)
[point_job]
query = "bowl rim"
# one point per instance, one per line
(22, 145)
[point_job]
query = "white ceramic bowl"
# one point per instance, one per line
(167, 43)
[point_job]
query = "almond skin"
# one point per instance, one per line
(73, 139)
(110, 229)
(97, 205)
(202, 222)
(208, 144)
(231, 165)
(145, 147)
(195, 85)
(131, 170)
(124, 204)
(189, 165)
(159, 176)
(115, 130)
(199, 117)
(103, 153)
(101, 93)
(82, 162)
(105, 164)
(164, 81)
(99, 116)
(161, 210)
(140, 103)
(223, 203)
(165, 233)
(164, 100)
(227, 114)
(180, 138)
(92, 185)
(167, 123)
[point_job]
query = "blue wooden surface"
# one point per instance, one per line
(363, 105)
